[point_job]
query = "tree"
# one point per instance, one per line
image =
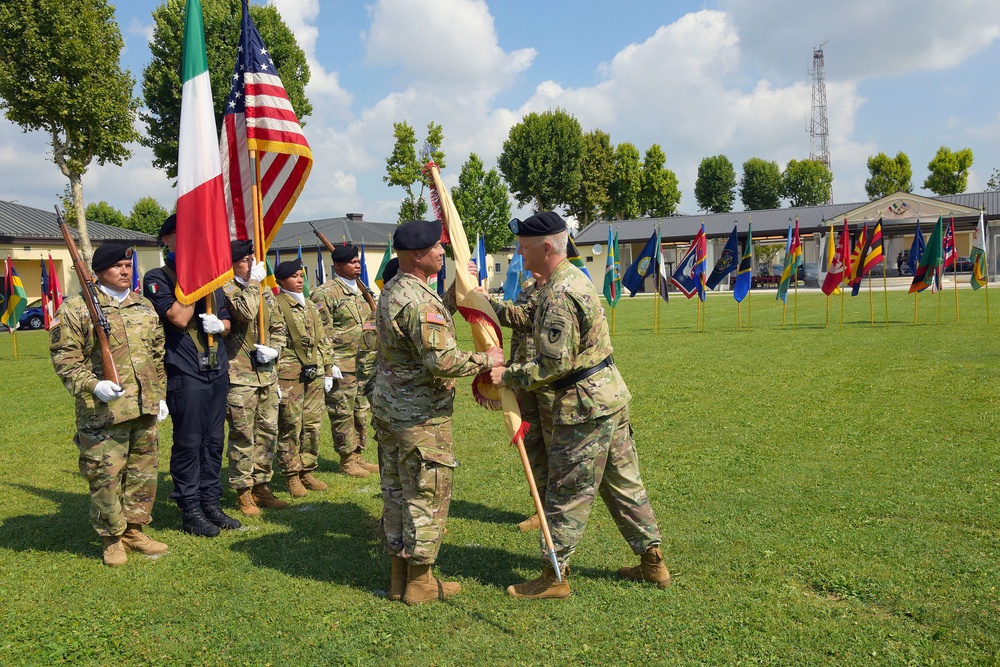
(147, 216)
(716, 185)
(625, 185)
(658, 192)
(993, 184)
(541, 159)
(402, 168)
(806, 183)
(949, 171)
(104, 213)
(596, 164)
(483, 202)
(60, 73)
(760, 185)
(888, 175)
(161, 82)
(765, 255)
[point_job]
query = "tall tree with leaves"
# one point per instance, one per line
(541, 159)
(104, 213)
(596, 164)
(60, 73)
(405, 169)
(888, 175)
(715, 188)
(658, 191)
(760, 185)
(625, 186)
(993, 184)
(482, 200)
(161, 82)
(147, 216)
(806, 183)
(949, 171)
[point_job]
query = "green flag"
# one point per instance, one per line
(14, 298)
(381, 267)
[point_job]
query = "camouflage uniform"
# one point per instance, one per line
(119, 447)
(591, 447)
(417, 356)
(300, 413)
(252, 405)
(344, 313)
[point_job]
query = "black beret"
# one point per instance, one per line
(286, 269)
(416, 234)
(169, 226)
(344, 253)
(390, 271)
(540, 224)
(108, 255)
(241, 249)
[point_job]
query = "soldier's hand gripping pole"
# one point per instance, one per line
(101, 325)
(365, 292)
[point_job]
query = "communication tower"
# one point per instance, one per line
(819, 127)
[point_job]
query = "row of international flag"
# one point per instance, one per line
(14, 300)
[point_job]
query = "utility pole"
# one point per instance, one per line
(819, 127)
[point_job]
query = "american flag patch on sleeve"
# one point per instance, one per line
(435, 318)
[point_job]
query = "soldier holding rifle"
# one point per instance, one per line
(107, 348)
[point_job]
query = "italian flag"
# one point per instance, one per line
(204, 261)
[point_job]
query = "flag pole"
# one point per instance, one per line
(955, 275)
(871, 303)
(795, 303)
(258, 231)
(885, 292)
(13, 336)
(784, 309)
(939, 304)
(842, 306)
(827, 311)
(916, 304)
(614, 311)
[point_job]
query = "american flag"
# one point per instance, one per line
(259, 117)
(949, 245)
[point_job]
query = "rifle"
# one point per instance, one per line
(365, 291)
(101, 325)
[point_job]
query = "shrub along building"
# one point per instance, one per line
(899, 212)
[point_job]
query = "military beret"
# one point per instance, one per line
(344, 253)
(108, 255)
(390, 271)
(241, 249)
(169, 225)
(416, 234)
(287, 269)
(540, 224)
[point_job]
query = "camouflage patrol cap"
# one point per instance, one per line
(344, 253)
(416, 234)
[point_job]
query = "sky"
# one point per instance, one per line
(728, 77)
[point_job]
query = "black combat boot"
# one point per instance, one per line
(215, 514)
(194, 522)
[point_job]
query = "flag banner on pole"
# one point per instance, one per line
(858, 261)
(15, 299)
(321, 267)
(55, 292)
(46, 305)
(664, 277)
(573, 255)
(727, 263)
(949, 245)
(481, 260)
(437, 282)
(930, 261)
(832, 248)
(838, 265)
(364, 267)
(916, 250)
(744, 274)
(305, 274)
(379, 282)
(689, 277)
(259, 117)
(978, 256)
(610, 271)
(204, 260)
(515, 276)
(793, 260)
(136, 284)
(874, 252)
(644, 265)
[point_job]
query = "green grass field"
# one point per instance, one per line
(826, 497)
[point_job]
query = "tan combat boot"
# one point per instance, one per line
(423, 586)
(650, 568)
(264, 498)
(397, 586)
(350, 465)
(545, 586)
(114, 551)
(295, 486)
(530, 524)
(245, 501)
(312, 483)
(136, 540)
(370, 467)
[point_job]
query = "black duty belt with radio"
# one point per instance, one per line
(570, 380)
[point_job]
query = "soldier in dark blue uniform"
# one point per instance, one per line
(197, 387)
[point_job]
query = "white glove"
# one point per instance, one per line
(163, 413)
(328, 383)
(265, 354)
(336, 374)
(211, 324)
(278, 387)
(108, 391)
(258, 272)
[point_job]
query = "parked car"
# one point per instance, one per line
(963, 265)
(33, 316)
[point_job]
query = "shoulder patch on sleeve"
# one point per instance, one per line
(369, 326)
(435, 318)
(153, 288)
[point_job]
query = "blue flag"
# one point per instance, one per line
(515, 276)
(745, 273)
(573, 255)
(916, 250)
(364, 267)
(321, 268)
(728, 261)
(783, 294)
(689, 277)
(644, 265)
(442, 276)
(481, 259)
(136, 287)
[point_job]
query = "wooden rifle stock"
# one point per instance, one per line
(365, 292)
(101, 326)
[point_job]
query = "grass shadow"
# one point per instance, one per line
(463, 509)
(67, 529)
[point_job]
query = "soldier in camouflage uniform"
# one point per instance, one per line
(417, 359)
(344, 311)
(116, 424)
(591, 447)
(304, 374)
(252, 405)
(366, 358)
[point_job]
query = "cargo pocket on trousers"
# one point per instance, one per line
(436, 473)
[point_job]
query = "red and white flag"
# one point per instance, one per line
(949, 245)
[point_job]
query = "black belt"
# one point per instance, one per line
(570, 380)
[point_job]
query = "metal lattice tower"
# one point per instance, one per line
(819, 127)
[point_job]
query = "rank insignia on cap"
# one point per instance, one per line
(153, 288)
(436, 318)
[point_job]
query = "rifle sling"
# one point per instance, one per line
(295, 339)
